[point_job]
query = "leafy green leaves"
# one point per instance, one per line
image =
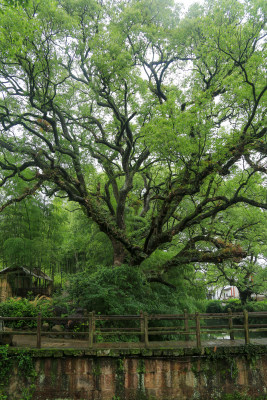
(122, 290)
(150, 120)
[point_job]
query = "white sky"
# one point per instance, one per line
(188, 3)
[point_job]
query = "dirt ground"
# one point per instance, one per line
(29, 341)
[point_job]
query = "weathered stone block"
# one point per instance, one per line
(82, 377)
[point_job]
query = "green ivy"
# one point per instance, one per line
(24, 362)
(5, 367)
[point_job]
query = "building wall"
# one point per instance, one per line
(223, 293)
(5, 288)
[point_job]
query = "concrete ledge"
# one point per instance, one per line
(245, 350)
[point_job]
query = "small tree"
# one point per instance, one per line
(247, 229)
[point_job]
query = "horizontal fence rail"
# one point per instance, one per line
(110, 329)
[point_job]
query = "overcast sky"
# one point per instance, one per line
(188, 3)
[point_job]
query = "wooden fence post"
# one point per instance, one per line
(146, 329)
(198, 330)
(247, 341)
(91, 329)
(142, 327)
(39, 325)
(93, 324)
(186, 326)
(230, 324)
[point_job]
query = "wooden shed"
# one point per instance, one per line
(19, 281)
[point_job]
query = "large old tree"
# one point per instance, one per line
(150, 119)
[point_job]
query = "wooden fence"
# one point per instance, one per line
(148, 328)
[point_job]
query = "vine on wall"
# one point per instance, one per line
(23, 361)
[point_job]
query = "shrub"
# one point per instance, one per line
(257, 306)
(236, 305)
(20, 307)
(214, 306)
(124, 290)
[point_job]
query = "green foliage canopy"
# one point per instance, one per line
(152, 122)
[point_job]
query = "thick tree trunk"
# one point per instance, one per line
(118, 252)
(245, 295)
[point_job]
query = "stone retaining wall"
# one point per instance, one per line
(145, 374)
